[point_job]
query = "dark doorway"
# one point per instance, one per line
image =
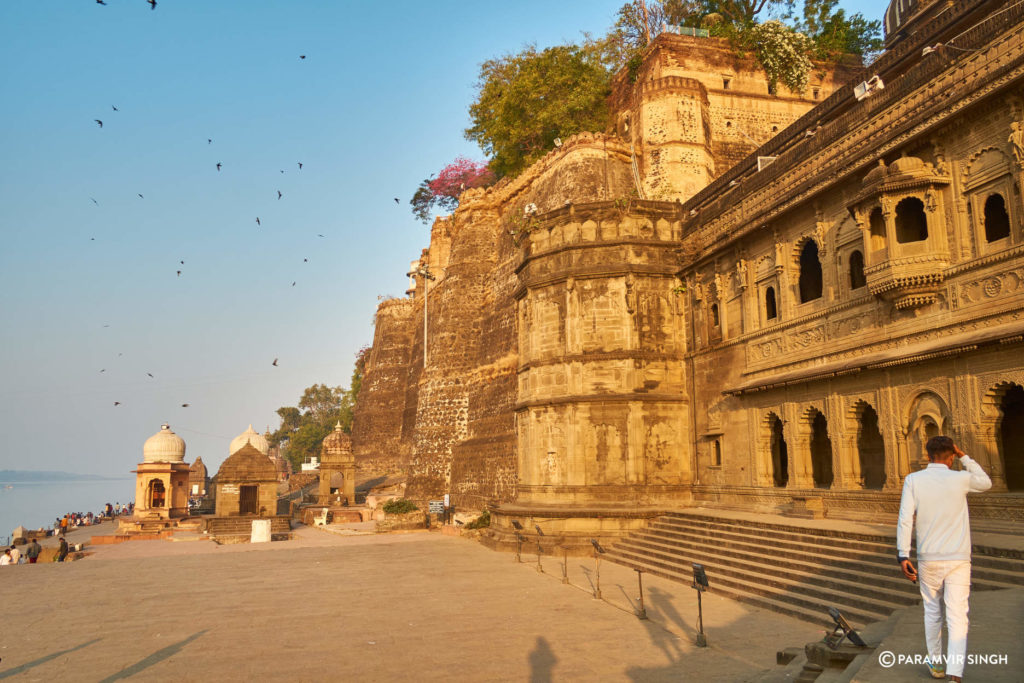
(157, 494)
(997, 223)
(821, 453)
(248, 499)
(871, 449)
(857, 279)
(1011, 437)
(770, 310)
(780, 454)
(810, 272)
(911, 224)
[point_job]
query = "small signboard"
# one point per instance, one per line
(436, 507)
(229, 488)
(447, 500)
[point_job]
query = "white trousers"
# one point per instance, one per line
(945, 589)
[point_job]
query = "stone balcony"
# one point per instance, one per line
(909, 281)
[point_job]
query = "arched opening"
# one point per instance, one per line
(714, 315)
(780, 454)
(911, 224)
(877, 227)
(857, 279)
(997, 222)
(718, 452)
(871, 449)
(1011, 436)
(810, 272)
(770, 310)
(157, 494)
(821, 452)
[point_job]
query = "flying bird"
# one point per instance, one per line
(218, 165)
(152, 4)
(257, 220)
(106, 326)
(99, 122)
(274, 363)
(397, 201)
(282, 170)
(319, 235)
(179, 273)
(150, 374)
(181, 262)
(293, 284)
(302, 56)
(117, 403)
(112, 106)
(185, 405)
(140, 196)
(300, 165)
(92, 239)
(103, 370)
(100, 2)
(305, 260)
(209, 141)
(94, 201)
(279, 191)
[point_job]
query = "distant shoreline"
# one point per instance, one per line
(42, 476)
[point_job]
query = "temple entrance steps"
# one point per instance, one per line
(239, 529)
(794, 568)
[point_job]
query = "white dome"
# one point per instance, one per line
(249, 436)
(164, 446)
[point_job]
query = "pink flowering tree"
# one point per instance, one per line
(442, 191)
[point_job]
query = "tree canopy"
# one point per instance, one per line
(443, 190)
(526, 100)
(304, 428)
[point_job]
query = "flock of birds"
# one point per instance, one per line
(219, 166)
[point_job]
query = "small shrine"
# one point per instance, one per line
(161, 482)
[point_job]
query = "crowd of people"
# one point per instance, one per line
(62, 525)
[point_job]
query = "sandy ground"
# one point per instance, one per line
(326, 606)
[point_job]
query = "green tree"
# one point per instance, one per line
(321, 407)
(526, 100)
(834, 34)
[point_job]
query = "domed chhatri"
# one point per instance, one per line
(250, 436)
(337, 469)
(164, 446)
(161, 483)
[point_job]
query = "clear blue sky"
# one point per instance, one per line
(378, 105)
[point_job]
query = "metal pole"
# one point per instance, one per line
(702, 640)
(426, 291)
(642, 614)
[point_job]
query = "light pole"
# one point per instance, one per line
(424, 272)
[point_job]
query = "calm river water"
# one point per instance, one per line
(35, 504)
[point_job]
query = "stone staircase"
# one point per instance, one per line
(239, 529)
(793, 569)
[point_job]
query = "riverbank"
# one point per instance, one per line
(37, 504)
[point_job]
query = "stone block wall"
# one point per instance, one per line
(377, 425)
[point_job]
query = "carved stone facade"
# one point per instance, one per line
(781, 333)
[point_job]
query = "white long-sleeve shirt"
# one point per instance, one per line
(937, 496)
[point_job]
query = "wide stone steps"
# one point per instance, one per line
(797, 570)
(1006, 569)
(987, 572)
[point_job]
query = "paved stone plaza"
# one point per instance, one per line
(371, 608)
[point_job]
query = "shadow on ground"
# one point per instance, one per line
(155, 658)
(43, 660)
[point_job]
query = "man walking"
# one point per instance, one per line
(937, 497)
(32, 551)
